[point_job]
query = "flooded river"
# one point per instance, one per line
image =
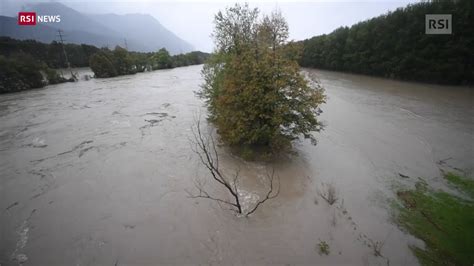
(96, 173)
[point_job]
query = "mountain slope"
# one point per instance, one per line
(71, 20)
(146, 29)
(44, 33)
(143, 33)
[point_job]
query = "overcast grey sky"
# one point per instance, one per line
(192, 20)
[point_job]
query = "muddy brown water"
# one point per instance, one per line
(96, 173)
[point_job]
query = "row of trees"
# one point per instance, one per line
(395, 45)
(22, 72)
(106, 63)
(27, 64)
(80, 55)
(51, 54)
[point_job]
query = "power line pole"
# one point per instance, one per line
(125, 42)
(60, 35)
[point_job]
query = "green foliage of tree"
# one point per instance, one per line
(106, 63)
(123, 62)
(53, 77)
(44, 58)
(161, 59)
(254, 90)
(140, 61)
(395, 45)
(191, 58)
(102, 66)
(20, 72)
(51, 54)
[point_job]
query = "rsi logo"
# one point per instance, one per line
(30, 18)
(438, 24)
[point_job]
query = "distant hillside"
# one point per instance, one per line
(47, 34)
(395, 45)
(9, 27)
(142, 33)
(71, 20)
(146, 29)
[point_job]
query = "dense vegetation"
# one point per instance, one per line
(395, 45)
(23, 72)
(106, 63)
(444, 221)
(51, 54)
(255, 92)
(30, 64)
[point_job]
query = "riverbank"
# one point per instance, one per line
(443, 220)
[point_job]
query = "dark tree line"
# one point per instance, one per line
(51, 54)
(23, 72)
(106, 63)
(395, 45)
(28, 64)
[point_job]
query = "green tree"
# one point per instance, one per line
(102, 66)
(254, 90)
(20, 72)
(161, 59)
(123, 62)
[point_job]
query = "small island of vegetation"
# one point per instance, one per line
(256, 95)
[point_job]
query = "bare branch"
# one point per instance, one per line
(330, 195)
(205, 147)
(203, 194)
(269, 193)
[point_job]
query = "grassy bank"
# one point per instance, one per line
(444, 221)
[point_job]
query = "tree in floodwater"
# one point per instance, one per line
(123, 61)
(205, 147)
(254, 90)
(20, 72)
(102, 66)
(161, 59)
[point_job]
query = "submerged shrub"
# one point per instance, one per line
(54, 77)
(102, 66)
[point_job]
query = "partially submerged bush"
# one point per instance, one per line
(123, 62)
(20, 72)
(54, 77)
(161, 59)
(106, 63)
(102, 66)
(323, 248)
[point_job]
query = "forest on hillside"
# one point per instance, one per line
(395, 45)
